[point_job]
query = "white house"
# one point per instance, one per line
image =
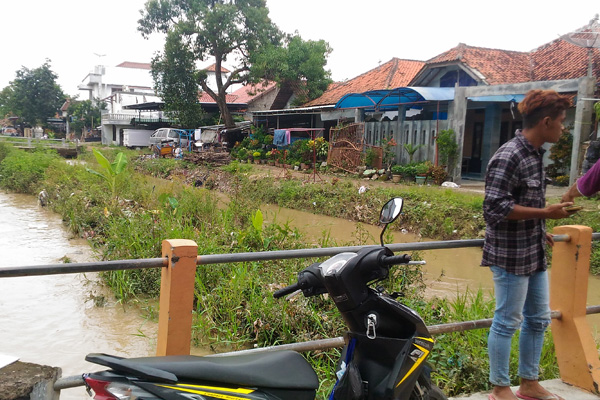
(121, 87)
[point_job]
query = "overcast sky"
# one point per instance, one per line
(78, 34)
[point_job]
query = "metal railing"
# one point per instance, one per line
(184, 252)
(20, 141)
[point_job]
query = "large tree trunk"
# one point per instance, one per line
(227, 118)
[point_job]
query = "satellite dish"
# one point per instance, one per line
(587, 37)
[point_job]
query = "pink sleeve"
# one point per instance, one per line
(589, 183)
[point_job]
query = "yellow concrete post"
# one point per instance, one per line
(176, 297)
(576, 351)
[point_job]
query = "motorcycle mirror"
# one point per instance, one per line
(389, 212)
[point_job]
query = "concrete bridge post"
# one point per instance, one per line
(576, 350)
(176, 297)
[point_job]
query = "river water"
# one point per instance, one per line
(53, 320)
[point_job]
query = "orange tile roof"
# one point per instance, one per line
(495, 65)
(394, 73)
(205, 98)
(138, 65)
(247, 93)
(553, 61)
(562, 60)
(213, 68)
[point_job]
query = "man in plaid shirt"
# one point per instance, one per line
(515, 211)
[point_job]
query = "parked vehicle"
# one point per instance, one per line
(384, 359)
(164, 135)
(9, 131)
(136, 137)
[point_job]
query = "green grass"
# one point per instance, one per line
(233, 303)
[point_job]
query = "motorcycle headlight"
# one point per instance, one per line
(336, 263)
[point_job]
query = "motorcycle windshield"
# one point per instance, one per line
(336, 263)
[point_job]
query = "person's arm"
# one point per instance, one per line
(571, 193)
(553, 211)
(587, 185)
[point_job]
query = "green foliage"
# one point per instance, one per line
(233, 302)
(5, 149)
(438, 174)
(34, 95)
(22, 171)
(111, 170)
(293, 62)
(411, 150)
(560, 154)
(85, 114)
(447, 148)
(176, 82)
(370, 156)
(388, 152)
(203, 30)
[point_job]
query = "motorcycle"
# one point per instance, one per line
(387, 345)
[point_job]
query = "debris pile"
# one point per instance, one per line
(212, 158)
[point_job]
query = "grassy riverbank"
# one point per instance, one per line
(234, 305)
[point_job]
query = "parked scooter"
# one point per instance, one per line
(388, 344)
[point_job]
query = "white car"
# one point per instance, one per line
(166, 135)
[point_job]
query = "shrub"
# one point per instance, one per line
(447, 148)
(22, 171)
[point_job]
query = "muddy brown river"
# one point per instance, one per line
(53, 320)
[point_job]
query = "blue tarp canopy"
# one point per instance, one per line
(386, 100)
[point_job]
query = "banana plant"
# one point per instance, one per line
(110, 170)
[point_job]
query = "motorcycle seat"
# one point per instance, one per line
(279, 369)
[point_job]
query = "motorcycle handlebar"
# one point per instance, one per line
(393, 260)
(286, 290)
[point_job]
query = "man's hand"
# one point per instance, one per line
(549, 239)
(557, 211)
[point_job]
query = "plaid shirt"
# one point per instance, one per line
(515, 175)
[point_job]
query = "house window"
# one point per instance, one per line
(450, 78)
(414, 137)
(423, 137)
(433, 137)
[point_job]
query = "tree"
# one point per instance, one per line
(34, 95)
(176, 80)
(85, 114)
(298, 61)
(233, 31)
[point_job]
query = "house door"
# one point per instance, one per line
(476, 143)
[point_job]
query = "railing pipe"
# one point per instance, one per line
(75, 268)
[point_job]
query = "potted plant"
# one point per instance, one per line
(397, 171)
(256, 155)
(421, 170)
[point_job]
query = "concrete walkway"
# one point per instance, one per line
(553, 193)
(556, 386)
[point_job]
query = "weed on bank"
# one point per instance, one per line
(233, 303)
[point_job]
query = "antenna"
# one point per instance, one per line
(587, 37)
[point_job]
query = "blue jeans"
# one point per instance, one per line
(518, 298)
